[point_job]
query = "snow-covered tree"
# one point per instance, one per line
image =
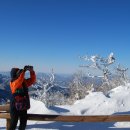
(101, 64)
(109, 78)
(122, 74)
(45, 85)
(48, 90)
(77, 86)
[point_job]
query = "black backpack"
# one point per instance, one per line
(21, 99)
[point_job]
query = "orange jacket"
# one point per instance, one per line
(18, 82)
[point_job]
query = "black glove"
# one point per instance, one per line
(30, 68)
(27, 67)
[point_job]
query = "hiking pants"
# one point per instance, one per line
(15, 115)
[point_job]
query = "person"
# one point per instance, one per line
(20, 102)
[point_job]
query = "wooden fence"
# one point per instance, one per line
(4, 113)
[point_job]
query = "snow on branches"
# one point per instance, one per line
(110, 77)
(99, 63)
(45, 85)
(122, 72)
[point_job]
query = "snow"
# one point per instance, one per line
(96, 103)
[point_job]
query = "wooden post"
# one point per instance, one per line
(6, 108)
(7, 124)
(8, 121)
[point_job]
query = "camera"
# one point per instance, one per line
(28, 67)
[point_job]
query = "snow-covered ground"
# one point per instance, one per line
(96, 103)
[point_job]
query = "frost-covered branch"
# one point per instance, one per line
(45, 89)
(94, 76)
(99, 63)
(122, 72)
(45, 86)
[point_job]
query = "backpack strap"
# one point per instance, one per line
(23, 91)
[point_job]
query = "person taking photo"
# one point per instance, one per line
(20, 102)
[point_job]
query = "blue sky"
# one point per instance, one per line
(53, 33)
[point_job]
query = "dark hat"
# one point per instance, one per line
(19, 72)
(13, 72)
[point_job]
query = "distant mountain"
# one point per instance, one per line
(5, 73)
(61, 84)
(60, 79)
(4, 88)
(4, 96)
